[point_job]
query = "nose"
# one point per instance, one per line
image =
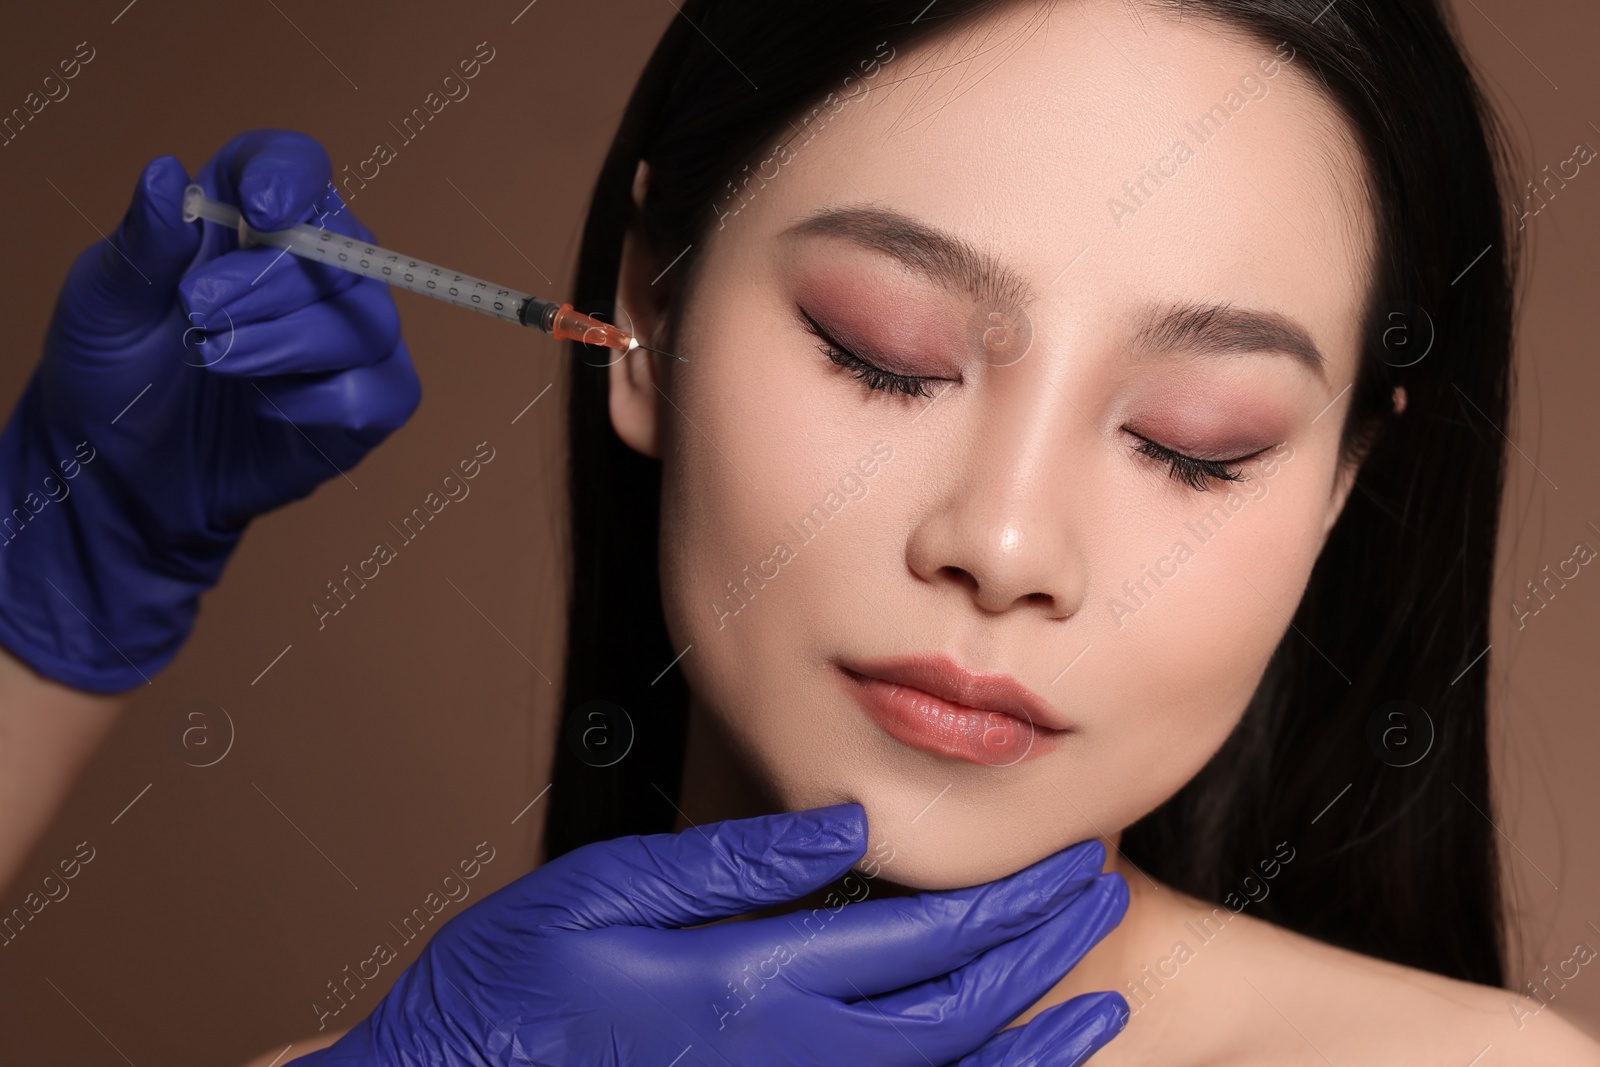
(1003, 529)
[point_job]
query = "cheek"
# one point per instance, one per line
(764, 508)
(726, 426)
(1190, 651)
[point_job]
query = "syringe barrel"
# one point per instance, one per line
(396, 269)
(336, 250)
(369, 260)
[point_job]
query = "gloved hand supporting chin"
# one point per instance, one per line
(599, 958)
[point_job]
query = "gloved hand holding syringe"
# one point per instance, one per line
(414, 275)
(194, 378)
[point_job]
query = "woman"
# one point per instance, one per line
(1042, 500)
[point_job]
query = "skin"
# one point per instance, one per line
(1015, 503)
(48, 732)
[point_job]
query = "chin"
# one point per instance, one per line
(950, 843)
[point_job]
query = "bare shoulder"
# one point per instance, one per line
(1342, 1005)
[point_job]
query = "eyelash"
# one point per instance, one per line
(1197, 474)
(870, 374)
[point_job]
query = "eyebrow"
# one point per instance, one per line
(947, 260)
(1217, 329)
(943, 258)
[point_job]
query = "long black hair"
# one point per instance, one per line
(1394, 854)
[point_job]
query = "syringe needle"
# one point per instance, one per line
(659, 352)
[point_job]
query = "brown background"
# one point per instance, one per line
(381, 750)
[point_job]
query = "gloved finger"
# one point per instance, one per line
(877, 945)
(708, 872)
(1063, 1035)
(354, 329)
(123, 286)
(277, 176)
(361, 406)
(949, 1015)
(263, 282)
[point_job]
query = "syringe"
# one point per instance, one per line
(415, 275)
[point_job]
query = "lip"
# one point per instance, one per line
(932, 703)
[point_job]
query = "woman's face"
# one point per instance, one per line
(1104, 239)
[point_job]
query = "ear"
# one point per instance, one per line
(1345, 480)
(637, 376)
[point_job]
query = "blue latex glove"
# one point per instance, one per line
(585, 961)
(149, 437)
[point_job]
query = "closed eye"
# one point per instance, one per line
(1198, 474)
(870, 374)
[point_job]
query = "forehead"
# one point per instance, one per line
(1107, 152)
